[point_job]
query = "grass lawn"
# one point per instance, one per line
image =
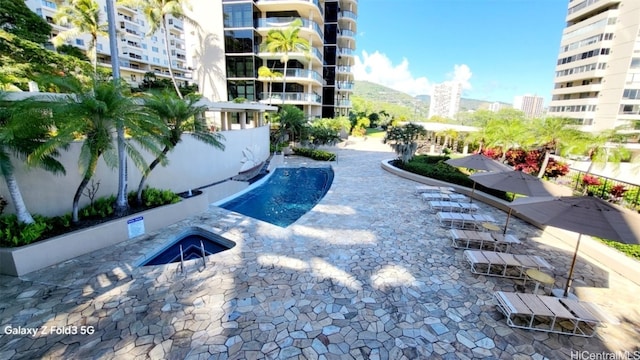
(375, 133)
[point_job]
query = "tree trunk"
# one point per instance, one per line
(166, 45)
(18, 203)
(284, 79)
(122, 203)
(545, 162)
(152, 166)
(88, 174)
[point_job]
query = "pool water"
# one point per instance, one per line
(192, 241)
(285, 196)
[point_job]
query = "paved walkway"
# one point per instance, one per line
(367, 274)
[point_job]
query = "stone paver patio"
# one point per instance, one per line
(367, 274)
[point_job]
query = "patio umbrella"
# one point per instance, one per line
(478, 162)
(520, 183)
(582, 214)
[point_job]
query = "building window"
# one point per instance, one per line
(99, 47)
(632, 94)
(241, 89)
(133, 77)
(240, 67)
(144, 46)
(635, 63)
(238, 41)
(154, 49)
(238, 15)
(156, 60)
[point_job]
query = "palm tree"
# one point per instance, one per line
(178, 116)
(157, 12)
(507, 134)
(269, 75)
(22, 130)
(92, 115)
(550, 133)
(84, 17)
(286, 41)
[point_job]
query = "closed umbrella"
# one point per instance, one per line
(478, 162)
(519, 182)
(582, 214)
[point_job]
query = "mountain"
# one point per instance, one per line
(381, 94)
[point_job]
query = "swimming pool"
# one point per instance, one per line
(285, 196)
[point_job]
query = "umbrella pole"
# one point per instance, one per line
(573, 264)
(473, 190)
(507, 222)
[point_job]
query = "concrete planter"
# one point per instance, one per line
(25, 259)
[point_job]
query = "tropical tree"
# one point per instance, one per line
(264, 73)
(157, 13)
(83, 17)
(550, 133)
(92, 115)
(286, 41)
(178, 116)
(16, 18)
(22, 130)
(403, 140)
(507, 134)
(292, 121)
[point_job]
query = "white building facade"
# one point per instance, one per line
(597, 79)
(139, 55)
(532, 106)
(445, 99)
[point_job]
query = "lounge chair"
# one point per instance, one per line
(462, 220)
(470, 239)
(546, 313)
(452, 206)
(443, 196)
(431, 189)
(502, 264)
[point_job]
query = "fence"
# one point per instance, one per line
(630, 196)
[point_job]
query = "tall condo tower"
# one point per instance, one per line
(597, 79)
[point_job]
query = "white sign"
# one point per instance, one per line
(136, 226)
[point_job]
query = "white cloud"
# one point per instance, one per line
(461, 74)
(379, 69)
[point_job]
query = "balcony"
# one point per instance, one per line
(297, 74)
(292, 97)
(289, 4)
(348, 15)
(347, 33)
(344, 85)
(282, 22)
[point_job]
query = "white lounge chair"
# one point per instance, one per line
(513, 266)
(452, 206)
(470, 239)
(462, 220)
(548, 313)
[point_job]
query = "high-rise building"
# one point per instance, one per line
(597, 79)
(530, 105)
(319, 82)
(140, 56)
(445, 99)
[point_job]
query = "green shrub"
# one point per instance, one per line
(15, 233)
(155, 197)
(315, 154)
(434, 167)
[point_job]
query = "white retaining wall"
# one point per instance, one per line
(192, 164)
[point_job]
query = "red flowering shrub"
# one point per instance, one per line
(492, 153)
(618, 190)
(590, 180)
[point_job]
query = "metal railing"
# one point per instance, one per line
(630, 198)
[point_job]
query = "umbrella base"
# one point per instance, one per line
(559, 293)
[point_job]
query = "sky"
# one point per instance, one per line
(497, 49)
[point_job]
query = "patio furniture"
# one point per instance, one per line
(506, 265)
(452, 206)
(431, 189)
(470, 239)
(547, 313)
(539, 277)
(463, 220)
